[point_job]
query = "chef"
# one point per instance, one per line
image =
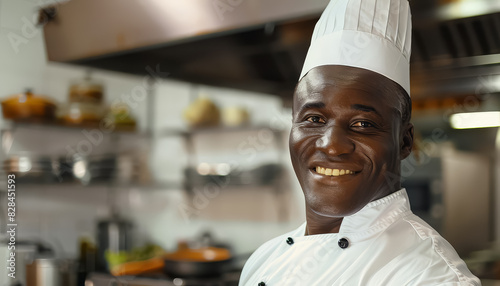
(351, 129)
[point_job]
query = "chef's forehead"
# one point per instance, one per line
(330, 77)
(323, 80)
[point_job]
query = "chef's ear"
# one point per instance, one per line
(406, 140)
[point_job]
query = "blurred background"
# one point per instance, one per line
(160, 128)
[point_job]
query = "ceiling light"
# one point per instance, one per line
(475, 120)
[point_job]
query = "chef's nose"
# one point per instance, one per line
(335, 142)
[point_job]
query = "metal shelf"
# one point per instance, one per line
(216, 130)
(69, 185)
(12, 125)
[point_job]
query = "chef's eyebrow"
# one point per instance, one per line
(365, 108)
(312, 105)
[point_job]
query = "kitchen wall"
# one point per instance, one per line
(247, 217)
(60, 214)
(468, 199)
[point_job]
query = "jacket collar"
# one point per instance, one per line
(376, 215)
(372, 218)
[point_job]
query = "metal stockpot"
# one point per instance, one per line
(44, 272)
(114, 235)
(51, 271)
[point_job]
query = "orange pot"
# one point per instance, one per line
(28, 106)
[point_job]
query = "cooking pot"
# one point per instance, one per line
(30, 169)
(28, 106)
(86, 90)
(113, 234)
(50, 271)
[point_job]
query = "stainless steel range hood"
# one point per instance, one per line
(260, 45)
(456, 49)
(248, 44)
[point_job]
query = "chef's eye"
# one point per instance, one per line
(315, 119)
(363, 124)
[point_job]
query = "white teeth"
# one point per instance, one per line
(333, 172)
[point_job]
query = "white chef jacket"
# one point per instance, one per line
(382, 244)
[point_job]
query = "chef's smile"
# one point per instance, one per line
(333, 172)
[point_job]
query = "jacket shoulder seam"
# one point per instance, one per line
(419, 229)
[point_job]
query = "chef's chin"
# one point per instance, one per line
(330, 206)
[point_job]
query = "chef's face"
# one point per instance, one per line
(347, 139)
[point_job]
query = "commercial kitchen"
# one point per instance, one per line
(144, 136)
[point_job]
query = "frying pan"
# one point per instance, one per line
(196, 269)
(201, 262)
(184, 263)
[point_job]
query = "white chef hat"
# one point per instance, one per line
(369, 34)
